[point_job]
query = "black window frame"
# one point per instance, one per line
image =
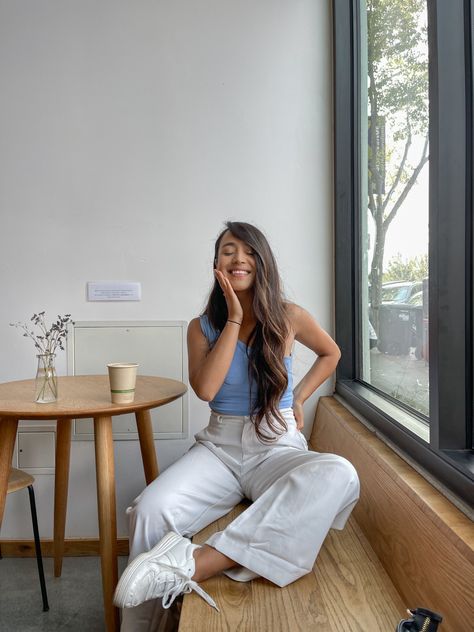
(449, 456)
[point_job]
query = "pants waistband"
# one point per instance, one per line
(244, 418)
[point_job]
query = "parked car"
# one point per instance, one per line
(416, 299)
(400, 291)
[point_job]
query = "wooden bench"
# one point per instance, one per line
(347, 591)
(424, 541)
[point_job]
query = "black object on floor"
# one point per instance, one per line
(421, 620)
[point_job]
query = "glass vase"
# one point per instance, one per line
(46, 386)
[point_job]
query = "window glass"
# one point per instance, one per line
(394, 199)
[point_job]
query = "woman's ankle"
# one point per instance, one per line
(209, 562)
(197, 553)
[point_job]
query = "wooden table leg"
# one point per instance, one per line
(104, 459)
(61, 482)
(147, 445)
(8, 428)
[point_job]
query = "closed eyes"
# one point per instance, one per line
(250, 253)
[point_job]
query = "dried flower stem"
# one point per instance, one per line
(47, 340)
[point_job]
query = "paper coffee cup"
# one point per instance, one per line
(122, 377)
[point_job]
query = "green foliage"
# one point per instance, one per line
(398, 63)
(415, 269)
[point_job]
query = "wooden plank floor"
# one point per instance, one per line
(348, 591)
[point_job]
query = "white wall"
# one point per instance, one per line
(129, 131)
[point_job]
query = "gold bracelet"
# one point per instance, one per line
(233, 321)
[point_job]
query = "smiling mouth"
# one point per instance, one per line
(239, 273)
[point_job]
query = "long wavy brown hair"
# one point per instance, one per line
(266, 345)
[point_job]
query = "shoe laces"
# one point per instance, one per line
(180, 583)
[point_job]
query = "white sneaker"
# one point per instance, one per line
(164, 571)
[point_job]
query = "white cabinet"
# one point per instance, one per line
(159, 347)
(36, 450)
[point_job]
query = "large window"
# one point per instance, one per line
(403, 161)
(393, 143)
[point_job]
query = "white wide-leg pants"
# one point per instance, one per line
(298, 495)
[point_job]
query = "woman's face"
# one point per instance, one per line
(236, 261)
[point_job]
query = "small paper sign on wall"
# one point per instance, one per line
(114, 291)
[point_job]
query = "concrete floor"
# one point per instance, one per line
(75, 598)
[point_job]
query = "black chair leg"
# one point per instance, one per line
(39, 558)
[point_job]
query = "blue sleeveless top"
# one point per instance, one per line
(233, 397)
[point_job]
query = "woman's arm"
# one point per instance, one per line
(207, 369)
(311, 335)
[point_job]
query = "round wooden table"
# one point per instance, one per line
(79, 397)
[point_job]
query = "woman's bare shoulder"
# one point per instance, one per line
(294, 312)
(300, 319)
(195, 322)
(194, 329)
(198, 345)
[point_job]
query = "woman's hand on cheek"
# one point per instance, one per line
(234, 308)
(299, 415)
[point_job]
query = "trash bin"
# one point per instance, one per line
(416, 318)
(395, 328)
(426, 341)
